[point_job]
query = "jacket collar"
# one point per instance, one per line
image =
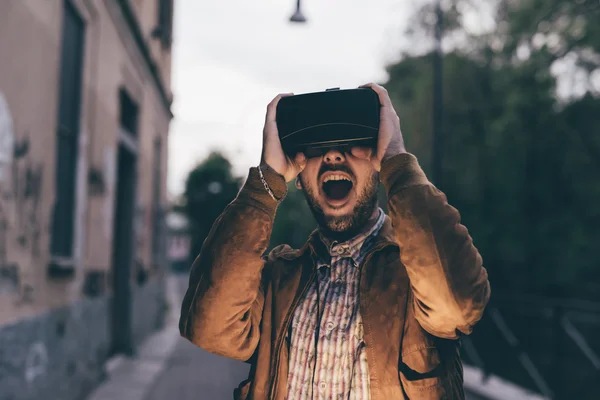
(314, 246)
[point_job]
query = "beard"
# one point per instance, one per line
(347, 226)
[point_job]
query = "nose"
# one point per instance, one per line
(334, 156)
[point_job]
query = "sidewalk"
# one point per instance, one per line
(167, 367)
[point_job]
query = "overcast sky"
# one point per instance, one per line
(230, 58)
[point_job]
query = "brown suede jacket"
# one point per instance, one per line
(421, 286)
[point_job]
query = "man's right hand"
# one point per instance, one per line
(272, 152)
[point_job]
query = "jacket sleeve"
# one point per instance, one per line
(449, 283)
(222, 308)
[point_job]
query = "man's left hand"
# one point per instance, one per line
(389, 141)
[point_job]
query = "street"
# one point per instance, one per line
(192, 373)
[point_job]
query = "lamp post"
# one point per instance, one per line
(438, 104)
(298, 16)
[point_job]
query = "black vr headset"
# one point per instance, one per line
(314, 123)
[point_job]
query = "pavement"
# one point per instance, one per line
(167, 367)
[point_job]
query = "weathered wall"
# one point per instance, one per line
(30, 39)
(147, 14)
(28, 92)
(60, 354)
(121, 67)
(55, 332)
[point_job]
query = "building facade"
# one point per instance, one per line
(178, 241)
(85, 107)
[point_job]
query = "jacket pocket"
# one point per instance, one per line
(420, 373)
(242, 391)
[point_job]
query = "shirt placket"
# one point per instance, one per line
(343, 261)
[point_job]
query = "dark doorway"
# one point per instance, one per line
(122, 260)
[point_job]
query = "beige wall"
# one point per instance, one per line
(30, 38)
(147, 14)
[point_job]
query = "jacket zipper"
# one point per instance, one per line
(281, 339)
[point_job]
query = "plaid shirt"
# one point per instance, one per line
(340, 369)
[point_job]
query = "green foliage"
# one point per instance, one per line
(208, 189)
(293, 221)
(521, 164)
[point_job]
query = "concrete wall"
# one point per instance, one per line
(30, 40)
(55, 330)
(60, 354)
(147, 14)
(28, 97)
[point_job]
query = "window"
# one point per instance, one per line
(164, 30)
(128, 113)
(69, 104)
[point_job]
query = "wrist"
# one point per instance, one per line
(273, 181)
(272, 166)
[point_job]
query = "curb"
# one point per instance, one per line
(494, 387)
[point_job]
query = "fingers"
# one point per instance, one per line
(384, 97)
(362, 152)
(272, 107)
(300, 161)
(367, 153)
(294, 166)
(376, 164)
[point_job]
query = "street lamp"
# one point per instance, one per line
(298, 16)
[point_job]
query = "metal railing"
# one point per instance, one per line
(550, 346)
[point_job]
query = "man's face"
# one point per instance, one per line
(341, 191)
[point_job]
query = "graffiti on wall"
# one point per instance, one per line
(21, 180)
(36, 362)
(26, 194)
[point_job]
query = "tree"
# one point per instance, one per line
(520, 161)
(208, 189)
(294, 221)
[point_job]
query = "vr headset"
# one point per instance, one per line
(314, 123)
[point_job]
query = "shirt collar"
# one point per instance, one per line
(354, 248)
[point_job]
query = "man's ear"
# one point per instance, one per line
(298, 183)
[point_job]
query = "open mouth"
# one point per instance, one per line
(337, 187)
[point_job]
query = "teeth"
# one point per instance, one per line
(336, 178)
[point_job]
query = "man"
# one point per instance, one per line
(371, 307)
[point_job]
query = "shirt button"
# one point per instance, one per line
(330, 326)
(323, 385)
